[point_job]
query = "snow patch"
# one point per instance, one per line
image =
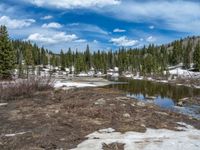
(151, 140)
(60, 84)
(3, 104)
(14, 134)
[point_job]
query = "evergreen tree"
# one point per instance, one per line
(63, 62)
(28, 59)
(186, 56)
(7, 54)
(196, 57)
(88, 58)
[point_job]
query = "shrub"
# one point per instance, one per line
(23, 88)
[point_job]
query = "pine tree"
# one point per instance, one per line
(63, 61)
(186, 56)
(7, 54)
(28, 59)
(88, 58)
(196, 57)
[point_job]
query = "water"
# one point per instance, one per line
(161, 94)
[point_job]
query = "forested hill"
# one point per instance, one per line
(150, 59)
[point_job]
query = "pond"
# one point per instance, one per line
(162, 94)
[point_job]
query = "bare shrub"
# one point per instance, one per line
(12, 90)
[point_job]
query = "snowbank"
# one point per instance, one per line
(184, 73)
(80, 84)
(60, 84)
(153, 139)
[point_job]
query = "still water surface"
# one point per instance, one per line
(161, 94)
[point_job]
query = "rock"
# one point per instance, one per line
(141, 104)
(133, 105)
(126, 115)
(180, 103)
(151, 97)
(56, 111)
(123, 105)
(112, 104)
(161, 113)
(100, 101)
(63, 139)
(122, 98)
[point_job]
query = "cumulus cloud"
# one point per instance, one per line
(151, 39)
(119, 30)
(70, 4)
(47, 17)
(52, 25)
(15, 23)
(124, 41)
(58, 37)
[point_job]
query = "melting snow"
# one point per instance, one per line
(14, 134)
(153, 139)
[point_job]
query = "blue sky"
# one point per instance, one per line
(103, 24)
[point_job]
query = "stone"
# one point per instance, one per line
(100, 101)
(56, 111)
(141, 104)
(126, 115)
(133, 105)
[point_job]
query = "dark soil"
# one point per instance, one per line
(61, 119)
(113, 146)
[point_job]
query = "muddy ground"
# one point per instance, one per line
(61, 119)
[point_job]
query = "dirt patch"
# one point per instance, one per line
(113, 146)
(61, 119)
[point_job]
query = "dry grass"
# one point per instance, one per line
(11, 90)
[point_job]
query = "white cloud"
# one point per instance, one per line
(124, 41)
(58, 37)
(15, 23)
(178, 15)
(151, 39)
(80, 41)
(47, 17)
(70, 4)
(119, 30)
(80, 27)
(95, 41)
(151, 27)
(52, 25)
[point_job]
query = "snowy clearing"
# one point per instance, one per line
(152, 139)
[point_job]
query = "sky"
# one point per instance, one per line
(103, 24)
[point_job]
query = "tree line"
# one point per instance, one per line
(148, 60)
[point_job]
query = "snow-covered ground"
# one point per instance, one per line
(79, 84)
(152, 139)
(60, 84)
(184, 73)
